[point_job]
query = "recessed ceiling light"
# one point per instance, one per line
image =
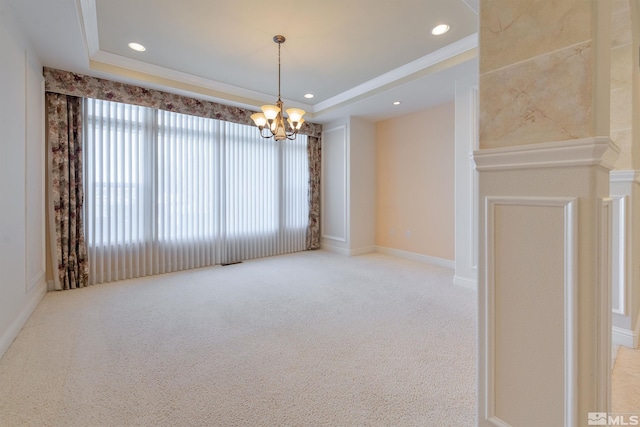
(396, 103)
(137, 46)
(440, 29)
(308, 95)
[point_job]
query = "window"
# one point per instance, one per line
(168, 191)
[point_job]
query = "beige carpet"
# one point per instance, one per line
(625, 382)
(308, 339)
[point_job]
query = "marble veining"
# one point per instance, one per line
(547, 98)
(513, 31)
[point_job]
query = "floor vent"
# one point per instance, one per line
(224, 264)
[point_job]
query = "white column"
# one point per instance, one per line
(544, 271)
(544, 279)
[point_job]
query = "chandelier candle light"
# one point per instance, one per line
(271, 117)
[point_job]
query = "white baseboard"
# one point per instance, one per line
(335, 249)
(36, 296)
(440, 262)
(362, 251)
(36, 281)
(465, 282)
(348, 252)
(625, 337)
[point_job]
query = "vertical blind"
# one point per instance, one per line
(168, 191)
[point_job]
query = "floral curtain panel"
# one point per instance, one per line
(313, 231)
(64, 146)
(68, 83)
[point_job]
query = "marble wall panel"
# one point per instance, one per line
(547, 98)
(621, 108)
(620, 28)
(623, 139)
(513, 31)
(620, 6)
(621, 66)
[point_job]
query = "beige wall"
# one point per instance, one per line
(415, 182)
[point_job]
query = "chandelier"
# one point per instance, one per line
(271, 121)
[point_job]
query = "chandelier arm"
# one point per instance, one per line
(278, 127)
(267, 135)
(291, 134)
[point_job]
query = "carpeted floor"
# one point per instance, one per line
(625, 382)
(308, 339)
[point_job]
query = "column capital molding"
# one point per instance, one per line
(594, 151)
(628, 176)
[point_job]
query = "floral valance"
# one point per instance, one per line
(68, 83)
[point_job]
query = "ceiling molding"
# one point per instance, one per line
(89, 24)
(102, 61)
(438, 67)
(128, 68)
(109, 62)
(401, 74)
(473, 5)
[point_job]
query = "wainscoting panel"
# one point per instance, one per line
(618, 253)
(604, 266)
(34, 180)
(466, 183)
(531, 290)
(624, 189)
(334, 184)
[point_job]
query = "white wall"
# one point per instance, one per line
(22, 277)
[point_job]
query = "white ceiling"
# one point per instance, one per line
(356, 56)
